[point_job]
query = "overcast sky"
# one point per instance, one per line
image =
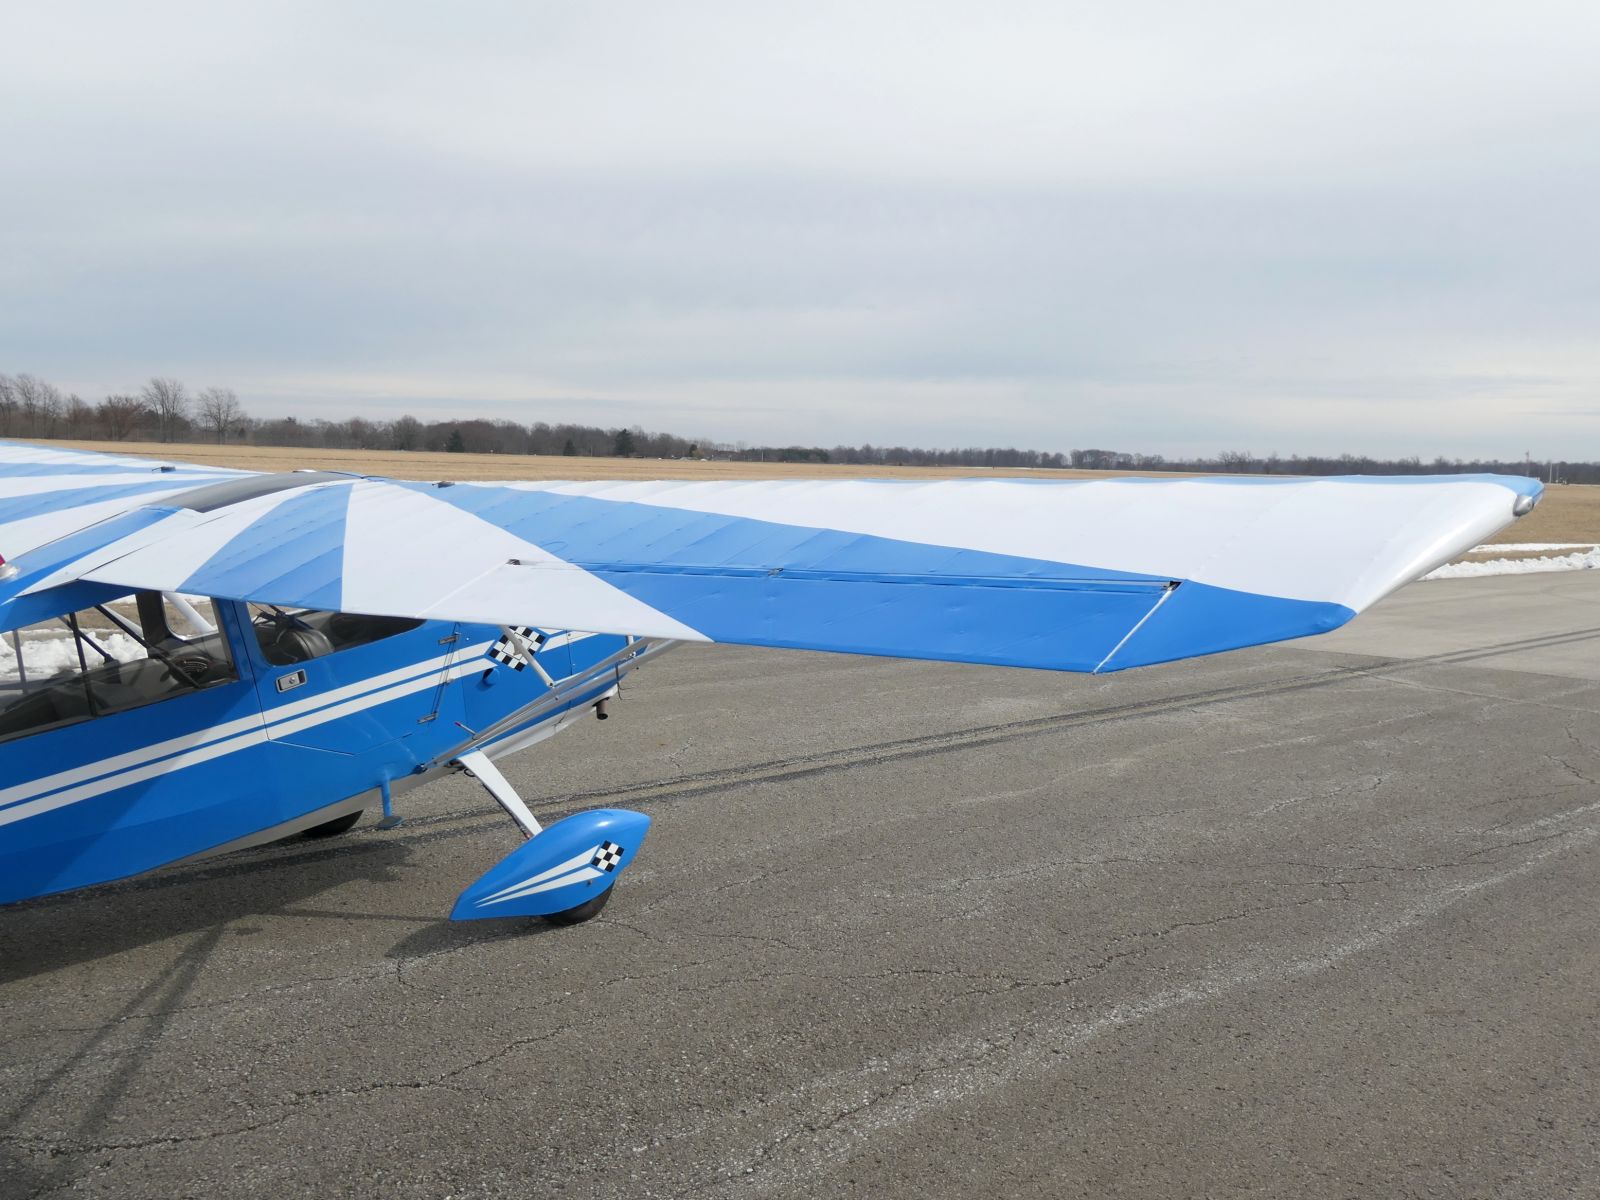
(1169, 227)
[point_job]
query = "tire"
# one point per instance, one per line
(588, 909)
(334, 827)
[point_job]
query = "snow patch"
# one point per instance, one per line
(45, 657)
(1587, 560)
(1530, 547)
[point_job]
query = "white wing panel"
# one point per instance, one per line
(406, 552)
(1341, 541)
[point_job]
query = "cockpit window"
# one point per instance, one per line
(292, 635)
(107, 659)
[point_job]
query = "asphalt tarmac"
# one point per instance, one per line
(1316, 920)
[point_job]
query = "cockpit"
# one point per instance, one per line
(123, 654)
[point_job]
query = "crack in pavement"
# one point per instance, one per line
(960, 1070)
(56, 1147)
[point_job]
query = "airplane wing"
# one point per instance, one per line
(46, 493)
(56, 503)
(1094, 575)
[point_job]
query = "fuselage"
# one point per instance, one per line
(108, 769)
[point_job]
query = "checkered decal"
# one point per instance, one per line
(505, 653)
(607, 857)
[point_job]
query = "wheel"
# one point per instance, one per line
(582, 912)
(334, 827)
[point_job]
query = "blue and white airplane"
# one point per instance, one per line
(194, 660)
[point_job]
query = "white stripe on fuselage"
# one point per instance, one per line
(471, 666)
(32, 808)
(42, 794)
(271, 719)
(374, 682)
(151, 770)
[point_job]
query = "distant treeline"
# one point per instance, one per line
(165, 410)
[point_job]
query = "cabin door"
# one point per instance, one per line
(130, 735)
(358, 688)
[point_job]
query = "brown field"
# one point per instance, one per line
(1568, 513)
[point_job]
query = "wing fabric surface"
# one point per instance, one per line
(1084, 576)
(57, 507)
(46, 493)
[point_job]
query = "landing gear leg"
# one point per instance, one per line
(391, 819)
(556, 872)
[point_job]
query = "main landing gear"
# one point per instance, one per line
(334, 827)
(563, 873)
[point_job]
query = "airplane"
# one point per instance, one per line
(196, 659)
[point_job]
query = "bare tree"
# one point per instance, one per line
(169, 402)
(285, 431)
(79, 417)
(8, 406)
(219, 411)
(363, 434)
(120, 415)
(405, 433)
(39, 404)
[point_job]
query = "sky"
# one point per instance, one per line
(1164, 227)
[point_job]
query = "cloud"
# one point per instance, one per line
(1152, 225)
